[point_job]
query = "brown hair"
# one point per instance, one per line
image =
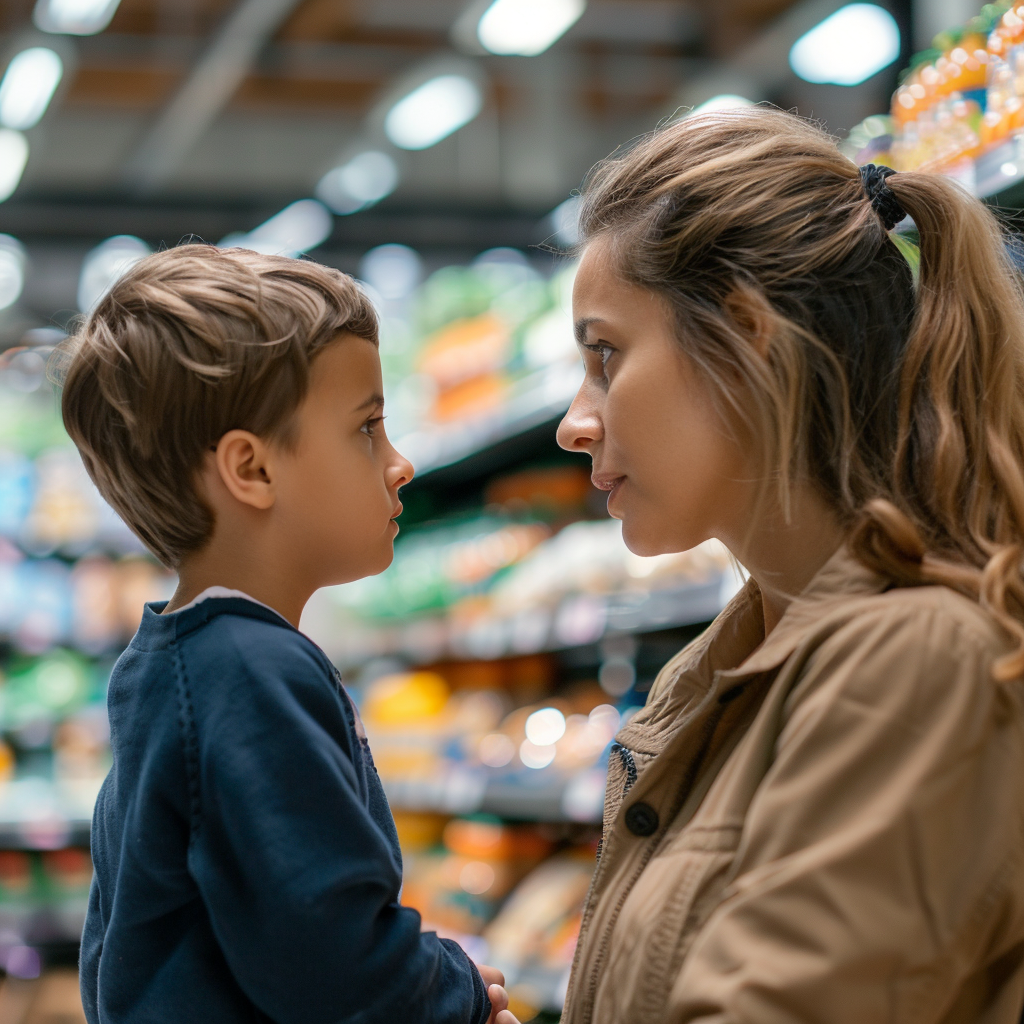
(904, 406)
(189, 344)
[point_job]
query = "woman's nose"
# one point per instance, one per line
(581, 427)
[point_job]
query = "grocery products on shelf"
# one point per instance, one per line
(959, 109)
(73, 581)
(492, 587)
(512, 894)
(490, 737)
(476, 354)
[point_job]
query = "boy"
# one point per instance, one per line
(228, 405)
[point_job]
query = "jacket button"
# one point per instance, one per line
(642, 819)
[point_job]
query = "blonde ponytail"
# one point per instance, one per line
(958, 469)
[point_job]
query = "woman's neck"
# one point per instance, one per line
(783, 555)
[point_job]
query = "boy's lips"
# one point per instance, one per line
(398, 511)
(606, 481)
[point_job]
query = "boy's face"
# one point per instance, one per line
(336, 487)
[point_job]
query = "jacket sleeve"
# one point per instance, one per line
(299, 882)
(877, 856)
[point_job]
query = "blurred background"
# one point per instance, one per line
(431, 148)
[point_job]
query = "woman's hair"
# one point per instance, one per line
(903, 404)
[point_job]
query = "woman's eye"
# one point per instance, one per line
(604, 351)
(370, 426)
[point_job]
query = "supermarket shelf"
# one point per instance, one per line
(543, 796)
(1000, 169)
(47, 924)
(48, 834)
(534, 401)
(578, 620)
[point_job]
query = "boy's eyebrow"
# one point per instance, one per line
(374, 400)
(581, 325)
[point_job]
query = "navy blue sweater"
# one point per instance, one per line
(247, 865)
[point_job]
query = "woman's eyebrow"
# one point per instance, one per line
(581, 325)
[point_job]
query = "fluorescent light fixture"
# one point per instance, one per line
(28, 86)
(12, 270)
(361, 181)
(527, 27)
(393, 270)
(296, 229)
(433, 111)
(74, 17)
(13, 157)
(104, 265)
(848, 47)
(726, 101)
(565, 220)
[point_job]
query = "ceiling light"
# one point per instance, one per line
(104, 265)
(74, 17)
(565, 220)
(726, 101)
(13, 157)
(527, 27)
(393, 270)
(12, 270)
(296, 229)
(28, 85)
(363, 180)
(433, 111)
(848, 47)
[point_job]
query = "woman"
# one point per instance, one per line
(819, 815)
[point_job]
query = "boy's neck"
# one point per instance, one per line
(199, 573)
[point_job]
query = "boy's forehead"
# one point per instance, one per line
(349, 368)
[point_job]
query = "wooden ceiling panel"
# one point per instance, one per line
(273, 93)
(320, 20)
(169, 17)
(143, 88)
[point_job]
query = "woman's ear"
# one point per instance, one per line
(243, 463)
(753, 316)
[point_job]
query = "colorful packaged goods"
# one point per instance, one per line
(964, 97)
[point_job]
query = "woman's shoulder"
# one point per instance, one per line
(928, 638)
(931, 615)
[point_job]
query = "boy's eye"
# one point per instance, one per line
(370, 426)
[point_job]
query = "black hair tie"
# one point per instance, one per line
(883, 199)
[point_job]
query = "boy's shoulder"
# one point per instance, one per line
(225, 642)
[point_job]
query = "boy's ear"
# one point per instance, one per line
(243, 464)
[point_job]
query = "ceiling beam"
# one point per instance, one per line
(208, 88)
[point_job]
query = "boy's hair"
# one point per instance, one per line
(189, 344)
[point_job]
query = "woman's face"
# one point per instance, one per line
(674, 474)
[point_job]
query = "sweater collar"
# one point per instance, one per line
(159, 630)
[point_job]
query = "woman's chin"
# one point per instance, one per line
(640, 541)
(646, 542)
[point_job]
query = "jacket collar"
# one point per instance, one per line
(841, 578)
(734, 648)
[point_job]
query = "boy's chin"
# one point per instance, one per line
(349, 573)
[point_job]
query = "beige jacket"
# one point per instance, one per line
(831, 833)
